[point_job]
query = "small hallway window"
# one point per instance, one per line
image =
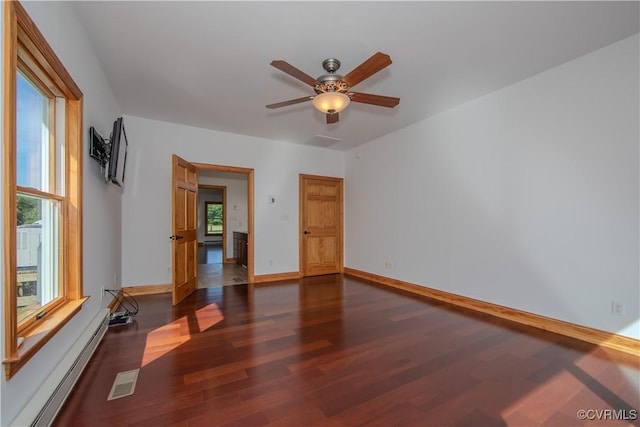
(214, 213)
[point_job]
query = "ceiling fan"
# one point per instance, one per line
(333, 91)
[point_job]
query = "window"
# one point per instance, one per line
(42, 192)
(214, 213)
(38, 198)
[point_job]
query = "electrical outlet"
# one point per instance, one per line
(617, 308)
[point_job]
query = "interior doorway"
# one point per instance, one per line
(225, 211)
(212, 223)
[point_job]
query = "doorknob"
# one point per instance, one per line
(176, 237)
(307, 232)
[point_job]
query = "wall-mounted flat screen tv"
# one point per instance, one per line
(98, 149)
(118, 153)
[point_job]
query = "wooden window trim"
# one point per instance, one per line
(20, 30)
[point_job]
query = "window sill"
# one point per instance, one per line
(36, 337)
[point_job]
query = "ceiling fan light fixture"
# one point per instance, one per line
(331, 102)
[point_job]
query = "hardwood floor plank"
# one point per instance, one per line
(338, 351)
(296, 413)
(201, 375)
(224, 415)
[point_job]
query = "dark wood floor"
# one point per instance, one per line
(334, 351)
(210, 254)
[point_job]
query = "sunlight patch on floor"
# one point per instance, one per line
(208, 316)
(544, 400)
(556, 397)
(166, 338)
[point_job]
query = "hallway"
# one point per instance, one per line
(213, 272)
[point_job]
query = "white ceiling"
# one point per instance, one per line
(206, 64)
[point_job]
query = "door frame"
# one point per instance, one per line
(301, 222)
(250, 207)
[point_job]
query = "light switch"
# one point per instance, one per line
(272, 199)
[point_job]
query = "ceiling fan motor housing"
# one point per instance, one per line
(331, 65)
(330, 82)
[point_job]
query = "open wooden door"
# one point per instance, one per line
(321, 214)
(184, 229)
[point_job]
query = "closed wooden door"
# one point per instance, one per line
(320, 225)
(184, 229)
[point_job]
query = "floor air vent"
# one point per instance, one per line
(124, 385)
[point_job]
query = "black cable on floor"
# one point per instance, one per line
(125, 300)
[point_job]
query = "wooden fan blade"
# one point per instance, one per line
(382, 101)
(332, 118)
(294, 72)
(289, 102)
(368, 68)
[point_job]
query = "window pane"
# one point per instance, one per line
(214, 218)
(37, 242)
(33, 165)
(60, 144)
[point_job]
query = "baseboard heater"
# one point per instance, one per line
(55, 390)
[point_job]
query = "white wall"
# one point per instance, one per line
(237, 210)
(102, 203)
(146, 248)
(527, 197)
